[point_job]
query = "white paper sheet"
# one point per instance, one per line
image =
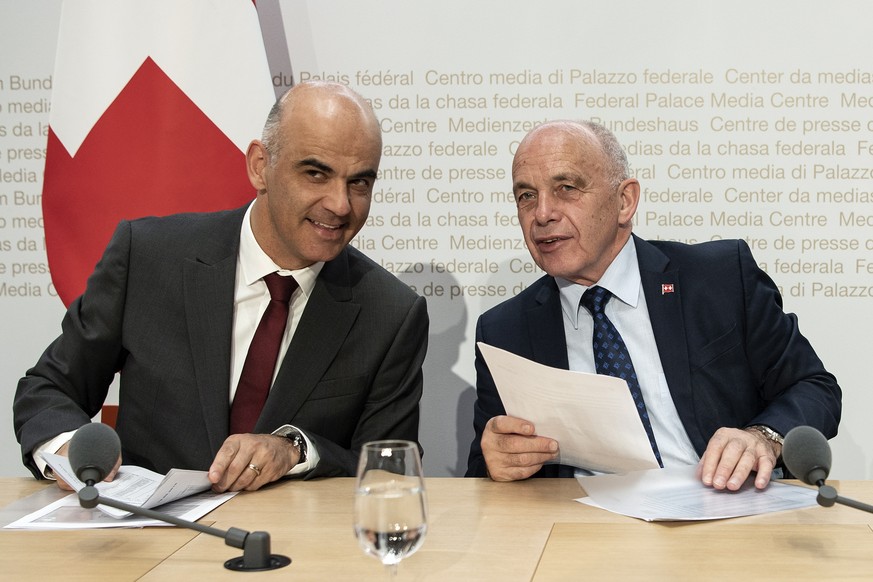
(66, 513)
(592, 416)
(181, 493)
(136, 485)
(676, 494)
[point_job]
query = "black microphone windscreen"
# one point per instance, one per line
(807, 454)
(94, 446)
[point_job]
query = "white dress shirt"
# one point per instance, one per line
(251, 297)
(250, 300)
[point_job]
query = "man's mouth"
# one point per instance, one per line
(325, 225)
(550, 240)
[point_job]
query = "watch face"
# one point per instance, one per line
(297, 440)
(300, 443)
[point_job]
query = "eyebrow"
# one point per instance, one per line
(521, 186)
(319, 165)
(575, 178)
(365, 174)
(564, 177)
(315, 164)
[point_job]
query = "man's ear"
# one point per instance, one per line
(256, 163)
(629, 197)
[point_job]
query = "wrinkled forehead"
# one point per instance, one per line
(556, 148)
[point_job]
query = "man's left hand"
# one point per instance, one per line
(250, 461)
(732, 454)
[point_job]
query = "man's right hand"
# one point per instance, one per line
(63, 451)
(513, 451)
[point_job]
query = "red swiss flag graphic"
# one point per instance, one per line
(152, 152)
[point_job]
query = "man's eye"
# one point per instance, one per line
(525, 199)
(361, 186)
(568, 192)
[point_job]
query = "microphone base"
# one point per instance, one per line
(255, 545)
(275, 561)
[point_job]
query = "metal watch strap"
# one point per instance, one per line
(769, 433)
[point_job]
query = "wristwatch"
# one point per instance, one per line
(768, 432)
(298, 441)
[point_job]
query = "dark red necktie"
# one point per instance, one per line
(257, 372)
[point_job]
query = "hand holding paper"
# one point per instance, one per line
(591, 416)
(513, 451)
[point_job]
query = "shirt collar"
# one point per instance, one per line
(254, 263)
(622, 279)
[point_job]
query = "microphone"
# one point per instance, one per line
(807, 455)
(94, 450)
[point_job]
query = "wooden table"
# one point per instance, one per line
(478, 530)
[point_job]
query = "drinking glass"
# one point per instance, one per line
(390, 502)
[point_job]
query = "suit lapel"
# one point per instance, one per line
(543, 318)
(209, 296)
(663, 292)
(326, 322)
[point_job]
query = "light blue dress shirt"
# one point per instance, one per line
(628, 312)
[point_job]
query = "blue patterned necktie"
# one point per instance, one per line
(611, 356)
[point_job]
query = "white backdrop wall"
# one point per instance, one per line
(741, 119)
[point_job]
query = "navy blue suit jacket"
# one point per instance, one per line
(731, 356)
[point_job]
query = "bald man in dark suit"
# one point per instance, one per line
(174, 302)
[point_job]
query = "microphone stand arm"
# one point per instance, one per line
(255, 545)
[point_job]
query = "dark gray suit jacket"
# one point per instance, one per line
(731, 356)
(159, 309)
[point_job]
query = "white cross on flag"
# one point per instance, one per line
(154, 103)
